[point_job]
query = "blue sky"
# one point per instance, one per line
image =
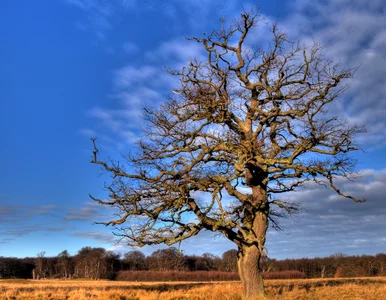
(75, 69)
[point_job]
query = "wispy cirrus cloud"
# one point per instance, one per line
(99, 236)
(175, 53)
(10, 213)
(17, 221)
(6, 240)
(148, 84)
(331, 224)
(132, 95)
(354, 34)
(90, 211)
(99, 14)
(135, 88)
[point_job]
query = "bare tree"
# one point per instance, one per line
(134, 260)
(169, 259)
(249, 122)
(64, 264)
(40, 271)
(207, 262)
(94, 263)
(229, 261)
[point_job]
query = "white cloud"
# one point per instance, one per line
(135, 88)
(176, 52)
(88, 132)
(326, 227)
(353, 33)
(129, 76)
(146, 85)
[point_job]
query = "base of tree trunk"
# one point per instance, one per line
(250, 274)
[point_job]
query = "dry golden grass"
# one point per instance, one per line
(358, 288)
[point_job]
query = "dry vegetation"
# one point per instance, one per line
(143, 276)
(350, 288)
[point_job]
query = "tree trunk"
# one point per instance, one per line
(250, 273)
(256, 225)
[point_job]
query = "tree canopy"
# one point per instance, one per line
(248, 124)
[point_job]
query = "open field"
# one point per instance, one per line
(348, 288)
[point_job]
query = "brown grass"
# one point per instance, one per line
(356, 288)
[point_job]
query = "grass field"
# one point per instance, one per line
(349, 288)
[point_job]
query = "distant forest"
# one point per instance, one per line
(171, 264)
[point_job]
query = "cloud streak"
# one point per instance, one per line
(99, 236)
(89, 211)
(22, 220)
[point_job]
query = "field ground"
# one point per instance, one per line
(373, 288)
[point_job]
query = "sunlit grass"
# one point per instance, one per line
(358, 288)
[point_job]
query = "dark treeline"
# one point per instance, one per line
(336, 265)
(97, 263)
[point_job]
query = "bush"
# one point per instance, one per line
(177, 276)
(199, 275)
(284, 275)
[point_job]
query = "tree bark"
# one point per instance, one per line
(249, 270)
(250, 252)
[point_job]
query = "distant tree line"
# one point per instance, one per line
(336, 265)
(98, 263)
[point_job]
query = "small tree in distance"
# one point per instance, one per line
(229, 261)
(250, 123)
(134, 260)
